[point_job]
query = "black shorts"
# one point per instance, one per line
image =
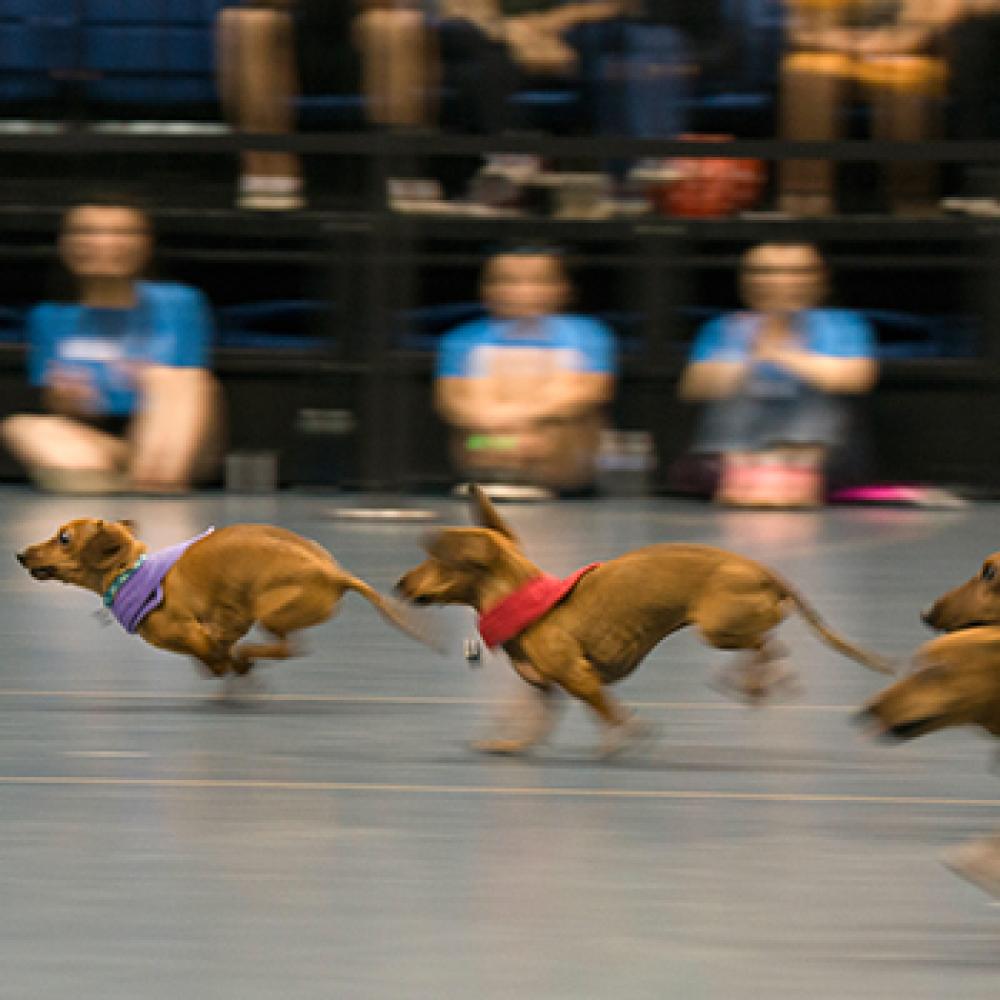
(110, 423)
(328, 61)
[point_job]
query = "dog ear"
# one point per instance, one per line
(486, 515)
(132, 527)
(103, 546)
(462, 548)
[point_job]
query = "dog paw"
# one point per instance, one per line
(977, 862)
(628, 735)
(755, 685)
(502, 746)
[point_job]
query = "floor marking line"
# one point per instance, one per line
(530, 791)
(362, 699)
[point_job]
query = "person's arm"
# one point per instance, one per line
(715, 369)
(827, 374)
(589, 385)
(65, 390)
(920, 23)
(463, 399)
(845, 362)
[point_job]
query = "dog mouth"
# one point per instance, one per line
(43, 572)
(898, 732)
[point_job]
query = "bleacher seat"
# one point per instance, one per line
(37, 52)
(155, 55)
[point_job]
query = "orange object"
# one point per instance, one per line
(706, 187)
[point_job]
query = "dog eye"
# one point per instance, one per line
(64, 537)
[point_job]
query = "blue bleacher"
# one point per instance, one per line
(130, 57)
(37, 50)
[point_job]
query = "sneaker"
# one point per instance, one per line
(270, 194)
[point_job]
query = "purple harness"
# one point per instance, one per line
(137, 591)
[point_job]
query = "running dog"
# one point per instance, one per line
(956, 682)
(200, 597)
(597, 626)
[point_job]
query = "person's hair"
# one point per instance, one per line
(556, 254)
(62, 285)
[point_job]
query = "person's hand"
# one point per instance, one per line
(70, 391)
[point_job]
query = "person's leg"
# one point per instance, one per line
(175, 436)
(398, 65)
(483, 75)
(258, 82)
(62, 454)
(906, 94)
(562, 454)
(812, 89)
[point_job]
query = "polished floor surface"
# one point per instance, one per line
(327, 832)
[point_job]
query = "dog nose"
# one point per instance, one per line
(927, 616)
(20, 558)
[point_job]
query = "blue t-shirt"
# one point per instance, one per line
(169, 325)
(491, 347)
(836, 333)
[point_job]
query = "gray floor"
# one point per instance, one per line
(330, 834)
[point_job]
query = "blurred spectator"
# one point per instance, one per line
(268, 55)
(126, 401)
(974, 88)
(775, 378)
(886, 50)
(524, 389)
(639, 64)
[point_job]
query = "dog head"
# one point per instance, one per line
(83, 552)
(465, 565)
(975, 602)
(954, 686)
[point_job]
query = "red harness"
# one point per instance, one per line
(511, 616)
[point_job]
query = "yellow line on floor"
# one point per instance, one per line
(376, 699)
(255, 784)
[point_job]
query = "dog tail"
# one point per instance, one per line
(863, 656)
(398, 614)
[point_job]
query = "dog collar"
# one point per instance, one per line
(532, 600)
(120, 580)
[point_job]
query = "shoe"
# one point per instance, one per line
(508, 491)
(270, 194)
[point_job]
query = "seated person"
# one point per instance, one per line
(886, 51)
(126, 399)
(775, 379)
(490, 48)
(269, 54)
(524, 389)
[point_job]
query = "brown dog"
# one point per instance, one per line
(956, 683)
(220, 586)
(975, 602)
(614, 615)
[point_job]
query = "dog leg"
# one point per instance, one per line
(247, 653)
(622, 728)
(978, 862)
(526, 721)
(759, 674)
(194, 639)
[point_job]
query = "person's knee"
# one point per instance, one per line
(392, 20)
(19, 428)
(815, 64)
